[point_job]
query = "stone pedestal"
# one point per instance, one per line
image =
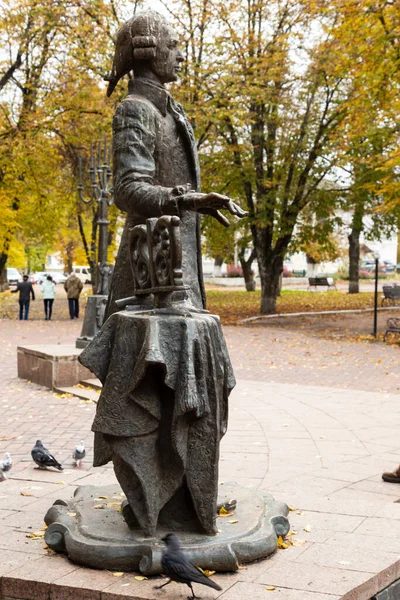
(91, 530)
(53, 366)
(93, 319)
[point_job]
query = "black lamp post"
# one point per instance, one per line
(101, 192)
(376, 257)
(100, 177)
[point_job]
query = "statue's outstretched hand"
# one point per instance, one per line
(211, 204)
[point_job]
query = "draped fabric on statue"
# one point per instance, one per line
(163, 408)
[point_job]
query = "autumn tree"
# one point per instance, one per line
(52, 108)
(369, 135)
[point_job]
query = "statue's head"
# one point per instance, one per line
(146, 41)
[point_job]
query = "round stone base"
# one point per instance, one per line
(91, 530)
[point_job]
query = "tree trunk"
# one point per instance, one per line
(354, 250)
(3, 280)
(217, 266)
(270, 272)
(246, 268)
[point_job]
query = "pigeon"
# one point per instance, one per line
(79, 453)
(178, 568)
(43, 458)
(5, 465)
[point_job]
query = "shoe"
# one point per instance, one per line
(393, 477)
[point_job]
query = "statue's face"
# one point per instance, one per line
(168, 59)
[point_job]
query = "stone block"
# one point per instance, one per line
(390, 593)
(51, 365)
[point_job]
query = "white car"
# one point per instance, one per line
(56, 277)
(13, 275)
(83, 273)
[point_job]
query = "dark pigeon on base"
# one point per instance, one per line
(43, 458)
(178, 568)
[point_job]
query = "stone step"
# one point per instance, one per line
(92, 383)
(80, 392)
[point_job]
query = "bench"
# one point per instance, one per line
(320, 282)
(391, 293)
(393, 326)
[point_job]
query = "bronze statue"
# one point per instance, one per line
(163, 408)
(160, 356)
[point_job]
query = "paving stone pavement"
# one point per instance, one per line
(301, 433)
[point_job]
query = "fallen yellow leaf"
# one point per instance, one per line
(113, 503)
(208, 573)
(298, 542)
(140, 577)
(307, 528)
(270, 588)
(281, 544)
(99, 506)
(291, 508)
(61, 483)
(25, 494)
(35, 535)
(102, 498)
(222, 512)
(233, 522)
(118, 573)
(71, 514)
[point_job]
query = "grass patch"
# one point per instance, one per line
(232, 306)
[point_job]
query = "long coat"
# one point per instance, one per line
(154, 151)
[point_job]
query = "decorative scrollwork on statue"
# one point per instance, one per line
(166, 250)
(155, 252)
(139, 257)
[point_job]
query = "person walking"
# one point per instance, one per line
(73, 286)
(48, 291)
(25, 290)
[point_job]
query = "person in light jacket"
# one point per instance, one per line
(48, 291)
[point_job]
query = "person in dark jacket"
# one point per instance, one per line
(25, 290)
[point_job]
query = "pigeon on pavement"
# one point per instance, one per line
(178, 568)
(79, 453)
(43, 458)
(5, 465)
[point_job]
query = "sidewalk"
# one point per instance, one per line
(321, 449)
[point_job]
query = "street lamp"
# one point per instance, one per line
(100, 178)
(376, 257)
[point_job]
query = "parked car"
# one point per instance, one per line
(369, 266)
(13, 275)
(57, 277)
(389, 266)
(38, 277)
(83, 273)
